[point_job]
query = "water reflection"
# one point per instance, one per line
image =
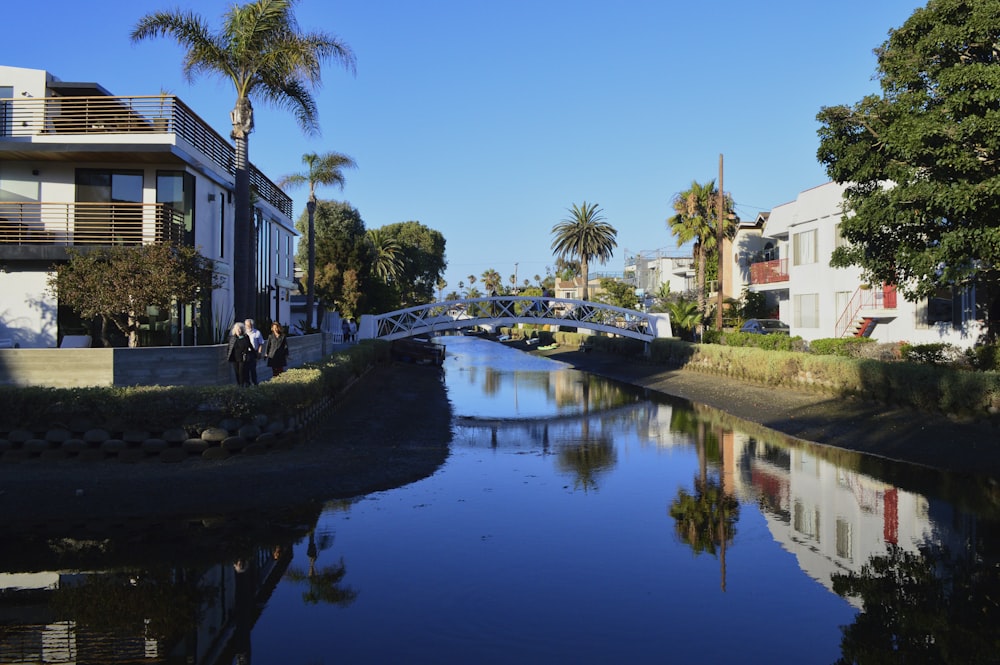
(554, 475)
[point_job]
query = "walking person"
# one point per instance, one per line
(352, 329)
(257, 343)
(239, 353)
(276, 349)
(345, 331)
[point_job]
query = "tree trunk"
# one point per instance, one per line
(585, 269)
(702, 297)
(242, 118)
(311, 270)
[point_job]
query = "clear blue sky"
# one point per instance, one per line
(487, 120)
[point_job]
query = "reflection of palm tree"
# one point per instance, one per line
(706, 520)
(324, 583)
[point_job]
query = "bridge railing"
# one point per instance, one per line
(509, 310)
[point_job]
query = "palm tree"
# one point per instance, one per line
(261, 50)
(586, 236)
(491, 280)
(697, 212)
(326, 169)
(388, 263)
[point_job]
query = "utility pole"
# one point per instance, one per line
(720, 215)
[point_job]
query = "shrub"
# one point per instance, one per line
(935, 353)
(848, 347)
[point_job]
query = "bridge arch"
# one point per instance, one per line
(511, 310)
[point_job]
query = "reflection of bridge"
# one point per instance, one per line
(511, 310)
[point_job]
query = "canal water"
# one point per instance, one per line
(575, 520)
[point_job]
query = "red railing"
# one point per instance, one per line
(768, 272)
(865, 298)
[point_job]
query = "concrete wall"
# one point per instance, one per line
(158, 365)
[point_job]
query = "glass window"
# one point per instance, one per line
(112, 207)
(805, 247)
(806, 310)
(176, 189)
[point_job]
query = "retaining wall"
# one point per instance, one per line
(150, 366)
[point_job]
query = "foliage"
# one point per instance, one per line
(696, 220)
(930, 606)
(985, 358)
(684, 318)
(342, 249)
(618, 293)
(387, 263)
(839, 346)
(327, 169)
(121, 283)
(934, 353)
(586, 236)
(421, 262)
(751, 305)
(932, 134)
(772, 342)
(262, 52)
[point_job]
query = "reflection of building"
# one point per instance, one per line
(35, 630)
(82, 169)
(833, 520)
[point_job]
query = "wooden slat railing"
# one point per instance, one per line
(155, 114)
(32, 223)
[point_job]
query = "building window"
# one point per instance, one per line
(112, 210)
(804, 247)
(806, 310)
(176, 189)
(845, 542)
(838, 238)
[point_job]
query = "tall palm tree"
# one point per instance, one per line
(586, 236)
(696, 221)
(491, 280)
(261, 50)
(326, 169)
(388, 262)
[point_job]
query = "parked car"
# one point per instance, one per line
(765, 327)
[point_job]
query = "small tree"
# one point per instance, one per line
(119, 284)
(618, 293)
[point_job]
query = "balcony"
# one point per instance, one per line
(147, 115)
(769, 272)
(33, 224)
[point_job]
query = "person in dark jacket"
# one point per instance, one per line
(240, 354)
(276, 349)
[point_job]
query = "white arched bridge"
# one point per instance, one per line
(510, 310)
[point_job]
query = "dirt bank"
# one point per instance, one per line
(892, 432)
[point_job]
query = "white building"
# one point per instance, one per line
(82, 168)
(649, 270)
(790, 263)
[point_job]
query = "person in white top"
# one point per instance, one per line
(256, 343)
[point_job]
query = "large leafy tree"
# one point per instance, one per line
(343, 256)
(422, 261)
(262, 52)
(326, 169)
(586, 236)
(921, 161)
(695, 220)
(120, 284)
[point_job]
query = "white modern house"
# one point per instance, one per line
(789, 261)
(649, 270)
(82, 168)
